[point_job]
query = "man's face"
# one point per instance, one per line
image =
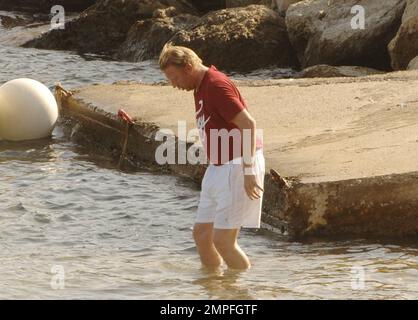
(180, 77)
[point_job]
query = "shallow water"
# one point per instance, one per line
(72, 226)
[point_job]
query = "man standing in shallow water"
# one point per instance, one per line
(232, 188)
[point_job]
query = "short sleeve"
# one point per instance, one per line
(225, 100)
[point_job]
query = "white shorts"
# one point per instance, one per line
(223, 200)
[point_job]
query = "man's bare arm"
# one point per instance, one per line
(244, 121)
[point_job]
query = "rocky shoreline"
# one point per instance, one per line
(245, 35)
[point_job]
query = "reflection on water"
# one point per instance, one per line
(224, 284)
(38, 150)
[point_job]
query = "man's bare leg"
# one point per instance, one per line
(225, 241)
(203, 237)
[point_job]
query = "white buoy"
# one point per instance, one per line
(28, 110)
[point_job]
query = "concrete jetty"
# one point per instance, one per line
(347, 148)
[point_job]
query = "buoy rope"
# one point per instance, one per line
(125, 117)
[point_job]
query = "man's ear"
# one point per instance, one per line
(188, 68)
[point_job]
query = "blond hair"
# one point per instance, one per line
(178, 56)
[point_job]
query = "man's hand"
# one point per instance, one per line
(252, 188)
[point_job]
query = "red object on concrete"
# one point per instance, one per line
(122, 114)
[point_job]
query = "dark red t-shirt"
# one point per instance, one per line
(217, 102)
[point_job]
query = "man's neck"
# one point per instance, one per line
(200, 75)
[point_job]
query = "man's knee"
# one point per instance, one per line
(223, 243)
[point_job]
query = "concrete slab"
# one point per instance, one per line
(349, 146)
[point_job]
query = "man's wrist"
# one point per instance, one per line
(249, 171)
(249, 166)
(249, 162)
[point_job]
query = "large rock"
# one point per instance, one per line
(321, 32)
(240, 39)
(283, 5)
(103, 27)
(208, 5)
(326, 71)
(413, 65)
(280, 5)
(404, 47)
(244, 3)
(12, 22)
(147, 37)
(44, 5)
